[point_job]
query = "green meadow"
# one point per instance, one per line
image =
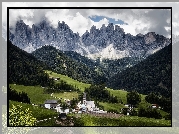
(69, 80)
(35, 93)
(112, 106)
(88, 120)
(66, 95)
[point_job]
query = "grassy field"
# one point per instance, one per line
(87, 120)
(112, 106)
(35, 93)
(37, 112)
(121, 94)
(66, 95)
(69, 80)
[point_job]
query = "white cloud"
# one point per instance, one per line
(140, 21)
(100, 23)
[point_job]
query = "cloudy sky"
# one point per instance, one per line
(133, 21)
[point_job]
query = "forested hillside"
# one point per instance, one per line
(106, 67)
(62, 64)
(25, 69)
(152, 74)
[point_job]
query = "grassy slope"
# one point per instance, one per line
(121, 94)
(66, 95)
(69, 80)
(108, 106)
(35, 93)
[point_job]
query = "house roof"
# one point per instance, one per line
(50, 101)
(91, 103)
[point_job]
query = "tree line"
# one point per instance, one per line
(99, 93)
(61, 87)
(18, 96)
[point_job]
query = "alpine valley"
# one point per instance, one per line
(112, 67)
(107, 50)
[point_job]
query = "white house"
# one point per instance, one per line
(95, 110)
(83, 108)
(128, 105)
(60, 109)
(90, 105)
(50, 104)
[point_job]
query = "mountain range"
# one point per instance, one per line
(108, 42)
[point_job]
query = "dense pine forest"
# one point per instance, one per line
(25, 69)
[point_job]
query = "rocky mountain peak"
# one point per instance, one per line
(92, 42)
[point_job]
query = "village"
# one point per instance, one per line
(86, 107)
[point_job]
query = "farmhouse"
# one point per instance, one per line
(50, 104)
(128, 105)
(90, 105)
(61, 110)
(155, 106)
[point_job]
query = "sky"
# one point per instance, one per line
(133, 21)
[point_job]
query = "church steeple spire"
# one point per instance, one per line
(84, 98)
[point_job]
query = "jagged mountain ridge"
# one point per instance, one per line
(108, 42)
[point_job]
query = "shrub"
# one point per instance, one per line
(113, 110)
(149, 113)
(19, 117)
(168, 117)
(133, 112)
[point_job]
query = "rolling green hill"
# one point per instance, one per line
(120, 94)
(71, 81)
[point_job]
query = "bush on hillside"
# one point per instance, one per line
(149, 113)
